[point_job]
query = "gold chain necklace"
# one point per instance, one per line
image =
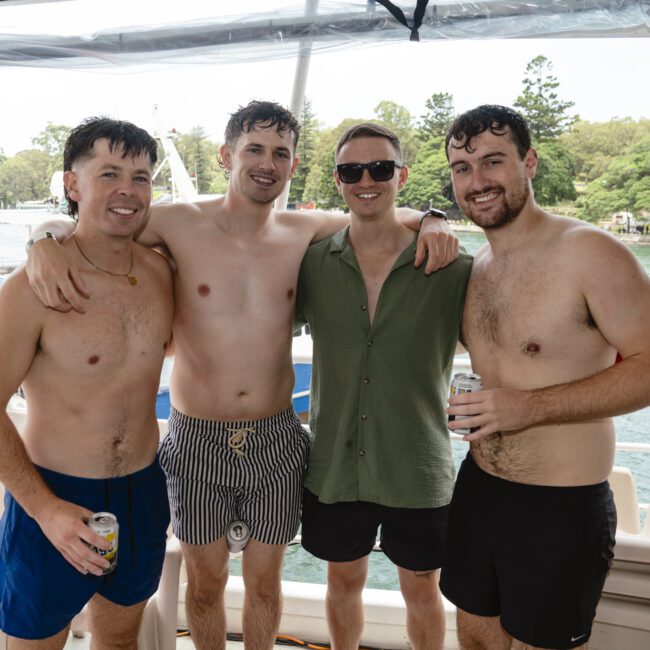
(128, 275)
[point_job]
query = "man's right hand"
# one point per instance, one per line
(55, 277)
(64, 524)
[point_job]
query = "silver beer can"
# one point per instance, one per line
(464, 382)
(237, 536)
(106, 526)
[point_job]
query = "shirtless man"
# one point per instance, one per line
(384, 334)
(236, 450)
(550, 302)
(90, 438)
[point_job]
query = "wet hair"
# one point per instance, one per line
(499, 120)
(266, 115)
(133, 141)
(370, 130)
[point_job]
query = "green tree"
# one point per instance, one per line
(25, 177)
(51, 140)
(199, 155)
(438, 117)
(592, 146)
(320, 186)
(398, 119)
(546, 114)
(553, 182)
(305, 151)
(625, 185)
(429, 179)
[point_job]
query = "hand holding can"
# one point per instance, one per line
(464, 383)
(106, 526)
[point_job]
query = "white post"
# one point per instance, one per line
(299, 85)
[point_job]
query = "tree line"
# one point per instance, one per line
(588, 170)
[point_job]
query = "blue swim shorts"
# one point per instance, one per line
(40, 592)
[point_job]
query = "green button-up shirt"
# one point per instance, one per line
(378, 391)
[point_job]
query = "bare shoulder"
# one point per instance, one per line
(591, 248)
(175, 215)
(17, 299)
(155, 262)
(300, 218)
(315, 224)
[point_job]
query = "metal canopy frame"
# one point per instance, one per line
(220, 37)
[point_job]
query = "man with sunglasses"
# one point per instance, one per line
(385, 334)
(236, 449)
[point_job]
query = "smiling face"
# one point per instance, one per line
(368, 198)
(260, 163)
(492, 183)
(113, 192)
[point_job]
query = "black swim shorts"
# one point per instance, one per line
(535, 555)
(411, 538)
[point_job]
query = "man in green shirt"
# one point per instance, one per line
(384, 335)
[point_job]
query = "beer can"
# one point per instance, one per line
(106, 526)
(237, 536)
(464, 382)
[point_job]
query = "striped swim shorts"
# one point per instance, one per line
(219, 472)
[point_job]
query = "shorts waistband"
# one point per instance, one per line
(547, 491)
(269, 424)
(53, 477)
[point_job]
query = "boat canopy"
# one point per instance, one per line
(86, 34)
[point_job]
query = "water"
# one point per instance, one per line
(302, 567)
(12, 243)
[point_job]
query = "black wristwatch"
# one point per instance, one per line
(432, 212)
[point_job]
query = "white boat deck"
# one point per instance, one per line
(182, 643)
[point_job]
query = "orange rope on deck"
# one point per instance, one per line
(281, 639)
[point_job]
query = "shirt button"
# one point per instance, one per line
(364, 307)
(364, 417)
(369, 344)
(362, 453)
(366, 380)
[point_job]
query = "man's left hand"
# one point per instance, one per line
(491, 411)
(437, 240)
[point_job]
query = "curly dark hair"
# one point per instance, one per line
(133, 140)
(499, 120)
(254, 114)
(270, 114)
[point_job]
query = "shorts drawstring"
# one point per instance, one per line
(238, 439)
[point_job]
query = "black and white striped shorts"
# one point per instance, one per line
(218, 472)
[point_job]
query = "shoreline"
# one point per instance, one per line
(627, 238)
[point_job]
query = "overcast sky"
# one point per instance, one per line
(605, 78)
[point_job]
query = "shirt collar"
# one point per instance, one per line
(339, 244)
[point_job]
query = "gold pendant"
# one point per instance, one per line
(132, 280)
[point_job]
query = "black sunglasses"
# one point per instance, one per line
(379, 170)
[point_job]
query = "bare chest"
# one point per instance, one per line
(525, 308)
(228, 278)
(121, 329)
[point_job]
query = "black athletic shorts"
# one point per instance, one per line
(535, 555)
(411, 538)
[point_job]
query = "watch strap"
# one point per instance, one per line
(432, 212)
(37, 237)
